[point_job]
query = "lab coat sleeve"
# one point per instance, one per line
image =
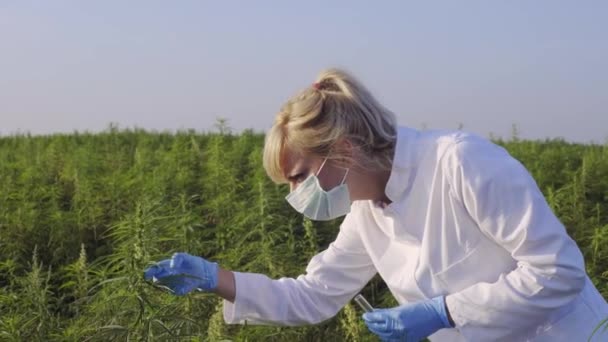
(332, 278)
(502, 197)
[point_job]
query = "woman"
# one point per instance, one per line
(456, 227)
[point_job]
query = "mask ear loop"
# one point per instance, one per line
(346, 174)
(321, 167)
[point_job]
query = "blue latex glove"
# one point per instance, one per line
(184, 273)
(409, 322)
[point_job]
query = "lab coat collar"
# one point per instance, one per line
(404, 160)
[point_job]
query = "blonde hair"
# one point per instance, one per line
(335, 107)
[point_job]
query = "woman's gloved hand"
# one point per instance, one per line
(184, 273)
(409, 322)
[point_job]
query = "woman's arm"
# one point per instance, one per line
(332, 278)
(225, 285)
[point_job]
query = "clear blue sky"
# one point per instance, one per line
(79, 65)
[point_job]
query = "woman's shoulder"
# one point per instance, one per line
(447, 139)
(434, 145)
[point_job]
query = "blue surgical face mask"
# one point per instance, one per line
(317, 204)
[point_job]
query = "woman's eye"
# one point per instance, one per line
(300, 177)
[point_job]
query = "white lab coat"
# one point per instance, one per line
(466, 221)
